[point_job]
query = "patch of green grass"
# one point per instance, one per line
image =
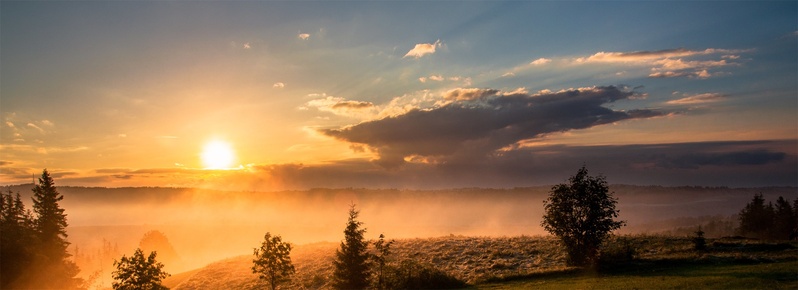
(778, 275)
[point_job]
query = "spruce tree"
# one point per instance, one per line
(16, 241)
(351, 259)
(756, 218)
(53, 269)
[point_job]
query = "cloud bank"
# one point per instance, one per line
(478, 122)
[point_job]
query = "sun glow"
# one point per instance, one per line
(218, 155)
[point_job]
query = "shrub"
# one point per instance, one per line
(410, 274)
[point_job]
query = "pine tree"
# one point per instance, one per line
(16, 241)
(783, 220)
(756, 218)
(54, 270)
(351, 259)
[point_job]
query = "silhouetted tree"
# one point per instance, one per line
(351, 259)
(582, 215)
(784, 220)
(138, 273)
(272, 261)
(699, 242)
(383, 250)
(756, 218)
(16, 241)
(52, 267)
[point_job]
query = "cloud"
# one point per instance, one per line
(423, 49)
(671, 63)
(697, 99)
(278, 85)
(303, 36)
(31, 125)
(480, 121)
(247, 45)
(540, 61)
(436, 78)
(469, 94)
(340, 106)
(352, 105)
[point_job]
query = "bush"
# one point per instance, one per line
(617, 251)
(410, 274)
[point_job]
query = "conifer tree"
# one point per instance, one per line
(16, 242)
(53, 270)
(756, 218)
(351, 259)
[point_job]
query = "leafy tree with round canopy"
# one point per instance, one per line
(582, 215)
(272, 261)
(138, 273)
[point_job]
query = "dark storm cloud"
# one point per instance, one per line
(484, 121)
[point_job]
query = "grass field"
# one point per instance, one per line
(775, 275)
(637, 262)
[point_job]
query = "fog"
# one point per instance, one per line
(205, 226)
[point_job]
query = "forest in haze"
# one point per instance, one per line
(190, 228)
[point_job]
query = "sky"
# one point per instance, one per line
(265, 96)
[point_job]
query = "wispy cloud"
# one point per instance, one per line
(278, 85)
(540, 61)
(423, 49)
(697, 99)
(670, 63)
(340, 106)
(303, 36)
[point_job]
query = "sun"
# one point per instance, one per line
(218, 155)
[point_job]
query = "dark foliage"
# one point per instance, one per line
(699, 242)
(17, 242)
(582, 215)
(34, 246)
(272, 261)
(380, 259)
(351, 267)
(138, 273)
(779, 222)
(410, 274)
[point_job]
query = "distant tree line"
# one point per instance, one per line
(33, 244)
(769, 221)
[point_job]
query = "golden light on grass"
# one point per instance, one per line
(217, 155)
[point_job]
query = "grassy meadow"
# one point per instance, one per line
(525, 262)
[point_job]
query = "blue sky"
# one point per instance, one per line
(400, 94)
